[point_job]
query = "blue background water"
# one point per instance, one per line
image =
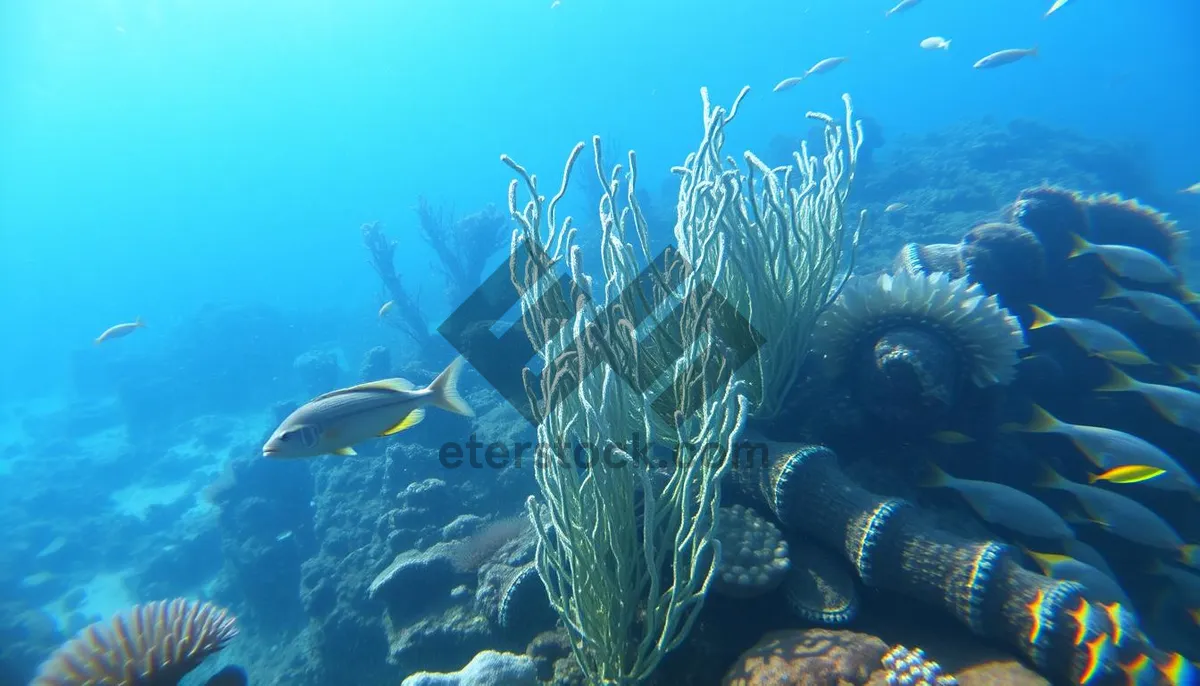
(155, 156)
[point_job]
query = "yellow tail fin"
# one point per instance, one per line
(1079, 246)
(444, 390)
(1111, 290)
(1042, 421)
(1041, 318)
(1117, 381)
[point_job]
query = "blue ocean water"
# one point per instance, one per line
(206, 167)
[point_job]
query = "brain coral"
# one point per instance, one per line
(813, 657)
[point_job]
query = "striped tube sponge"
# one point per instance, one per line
(154, 644)
(754, 554)
(894, 547)
(984, 337)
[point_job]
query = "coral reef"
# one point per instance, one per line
(463, 246)
(154, 644)
(487, 668)
(813, 656)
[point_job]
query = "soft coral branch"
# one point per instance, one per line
(406, 312)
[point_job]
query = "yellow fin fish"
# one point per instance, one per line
(1179, 406)
(1099, 584)
(1108, 448)
(1003, 505)
(1127, 261)
(120, 330)
(1120, 516)
(1127, 474)
(1095, 337)
(334, 422)
(1160, 309)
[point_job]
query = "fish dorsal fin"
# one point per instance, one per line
(394, 385)
(345, 452)
(410, 420)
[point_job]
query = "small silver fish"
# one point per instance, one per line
(1055, 7)
(935, 43)
(787, 83)
(901, 6)
(332, 423)
(120, 330)
(1003, 57)
(1095, 337)
(823, 66)
(1120, 516)
(895, 207)
(1127, 261)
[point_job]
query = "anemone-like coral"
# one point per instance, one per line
(154, 644)
(1053, 215)
(909, 341)
(754, 554)
(915, 258)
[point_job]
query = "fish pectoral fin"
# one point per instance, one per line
(345, 452)
(410, 420)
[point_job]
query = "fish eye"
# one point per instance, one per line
(286, 435)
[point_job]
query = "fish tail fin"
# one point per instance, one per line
(1178, 376)
(1187, 296)
(1041, 318)
(947, 45)
(1048, 478)
(1042, 421)
(934, 477)
(1034, 51)
(1111, 290)
(1079, 244)
(444, 390)
(1189, 554)
(1117, 381)
(137, 321)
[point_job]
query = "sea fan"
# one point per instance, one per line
(986, 337)
(154, 644)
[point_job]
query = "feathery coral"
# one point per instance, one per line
(154, 644)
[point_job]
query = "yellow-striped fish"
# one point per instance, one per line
(332, 423)
(1120, 516)
(1127, 474)
(1158, 308)
(1127, 261)
(1108, 448)
(1096, 338)
(1179, 406)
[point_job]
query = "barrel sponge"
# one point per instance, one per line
(819, 588)
(1113, 219)
(1053, 214)
(812, 656)
(1006, 259)
(154, 644)
(754, 554)
(985, 337)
